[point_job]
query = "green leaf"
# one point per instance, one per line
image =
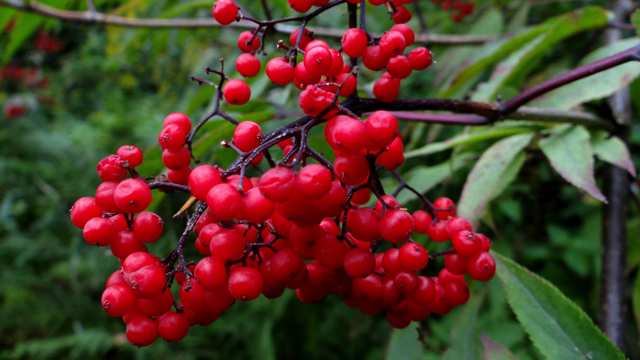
(612, 150)
(423, 178)
(484, 180)
(596, 86)
(466, 138)
(569, 151)
(26, 24)
(557, 326)
(6, 15)
(555, 29)
(404, 345)
(496, 351)
(635, 20)
(465, 339)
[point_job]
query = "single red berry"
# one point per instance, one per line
(481, 266)
(141, 331)
(367, 288)
(193, 296)
(100, 231)
(330, 252)
(318, 60)
(227, 245)
(466, 243)
(456, 291)
(247, 136)
(286, 264)
(420, 58)
(137, 261)
(245, 284)
(172, 326)
(112, 168)
(314, 181)
(172, 137)
(256, 208)
(414, 256)
(385, 90)
(147, 282)
(333, 202)
(280, 71)
(406, 282)
(354, 42)
(348, 136)
(304, 40)
(374, 59)
(390, 201)
(363, 224)
(202, 179)
(437, 231)
(148, 226)
(83, 210)
(426, 291)
(455, 263)
(245, 43)
(456, 224)
(176, 159)
(391, 262)
(422, 221)
(392, 44)
(157, 305)
(300, 5)
(396, 226)
(104, 196)
(359, 263)
(117, 300)
(236, 92)
(225, 11)
(445, 204)
(486, 243)
(382, 127)
(409, 35)
(248, 65)
(211, 273)
(131, 154)
(349, 84)
(401, 15)
(179, 119)
(180, 177)
(225, 201)
(132, 196)
(278, 184)
(399, 67)
(351, 169)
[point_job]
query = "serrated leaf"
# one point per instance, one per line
(569, 151)
(596, 86)
(612, 150)
(465, 338)
(26, 25)
(423, 178)
(484, 179)
(404, 345)
(466, 138)
(557, 326)
(495, 351)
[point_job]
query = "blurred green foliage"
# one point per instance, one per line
(113, 86)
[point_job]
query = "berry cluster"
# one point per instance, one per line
(302, 224)
(463, 8)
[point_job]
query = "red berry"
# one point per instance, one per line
(354, 42)
(172, 137)
(225, 11)
(256, 208)
(349, 84)
(481, 266)
(83, 210)
(414, 256)
(318, 61)
(157, 305)
(112, 168)
(409, 35)
(245, 43)
(300, 5)
(245, 284)
(333, 202)
(385, 90)
(401, 15)
(422, 220)
(179, 119)
(406, 282)
(147, 282)
(172, 326)
(141, 331)
(148, 226)
(425, 293)
(225, 201)
(455, 263)
(179, 176)
(280, 71)
(100, 231)
(437, 231)
(286, 264)
(193, 296)
(304, 40)
(446, 204)
(456, 224)
(351, 169)
(399, 67)
(248, 65)
(202, 179)
(314, 181)
(247, 136)
(367, 288)
(117, 300)
(236, 92)
(104, 196)
(130, 153)
(132, 196)
(392, 44)
(176, 159)
(278, 184)
(359, 262)
(456, 291)
(330, 252)
(227, 245)
(394, 156)
(363, 224)
(396, 226)
(382, 127)
(420, 58)
(374, 59)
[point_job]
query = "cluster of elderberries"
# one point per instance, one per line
(299, 225)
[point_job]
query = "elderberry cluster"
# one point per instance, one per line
(302, 224)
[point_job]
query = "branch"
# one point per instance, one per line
(89, 17)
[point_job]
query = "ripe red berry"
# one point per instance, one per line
(131, 154)
(132, 196)
(481, 266)
(141, 331)
(248, 65)
(406, 282)
(363, 224)
(300, 5)
(391, 262)
(374, 59)
(455, 263)
(351, 169)
(279, 71)
(333, 202)
(392, 44)
(349, 84)
(466, 243)
(225, 11)
(425, 293)
(146, 282)
(330, 252)
(385, 90)
(354, 42)
(278, 184)
(100, 231)
(286, 264)
(172, 137)
(227, 245)
(176, 159)
(348, 135)
(245, 43)
(245, 284)
(83, 210)
(172, 326)
(318, 61)
(117, 300)
(202, 179)
(104, 196)
(225, 201)
(180, 177)
(148, 226)
(256, 208)
(236, 92)
(314, 181)
(422, 220)
(456, 291)
(414, 256)
(409, 35)
(390, 201)
(456, 224)
(193, 296)
(420, 58)
(396, 226)
(382, 127)
(368, 288)
(446, 204)
(437, 231)
(399, 67)
(112, 168)
(401, 15)
(304, 40)
(179, 119)
(157, 305)
(359, 262)
(247, 136)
